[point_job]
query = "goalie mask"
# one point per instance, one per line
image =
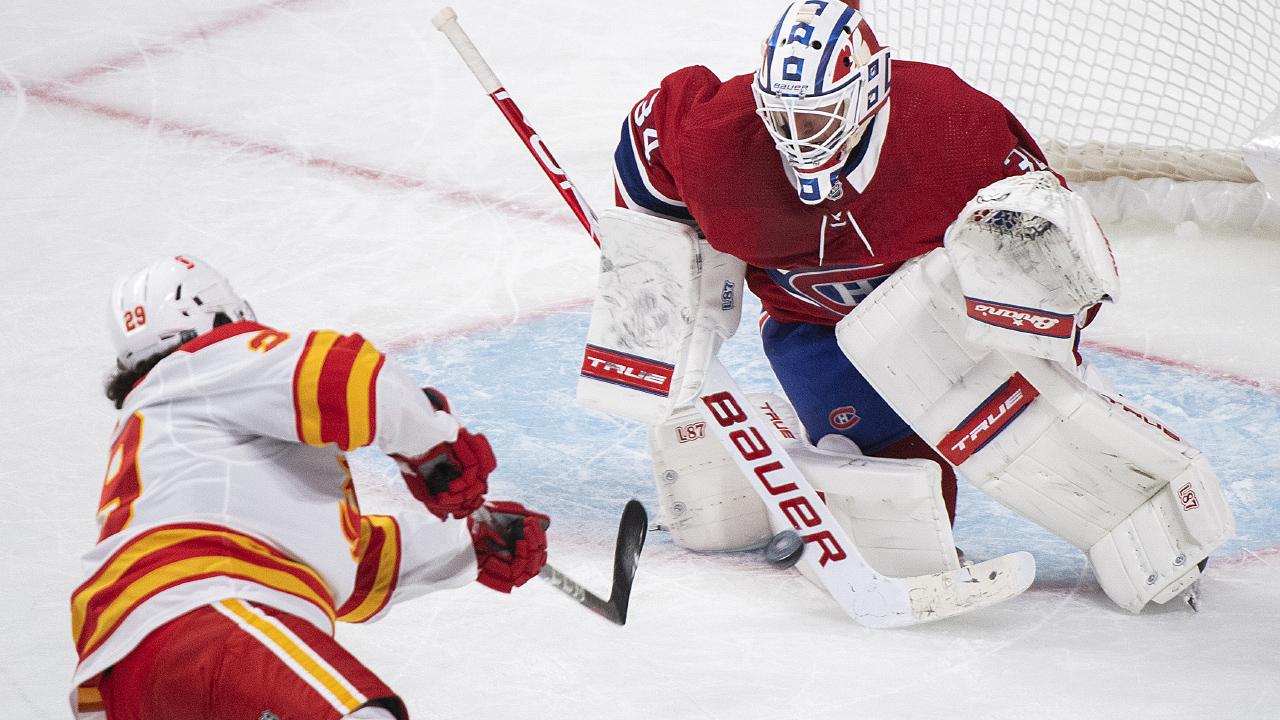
(168, 303)
(822, 79)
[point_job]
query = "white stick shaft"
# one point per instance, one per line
(446, 21)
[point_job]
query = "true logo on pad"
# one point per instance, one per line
(988, 420)
(1028, 320)
(631, 371)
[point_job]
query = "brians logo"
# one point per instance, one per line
(1012, 317)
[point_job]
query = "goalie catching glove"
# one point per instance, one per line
(452, 477)
(510, 542)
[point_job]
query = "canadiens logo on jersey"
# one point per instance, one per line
(843, 418)
(837, 289)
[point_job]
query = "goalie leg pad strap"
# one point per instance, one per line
(1028, 431)
(892, 509)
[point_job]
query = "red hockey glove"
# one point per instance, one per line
(511, 544)
(450, 477)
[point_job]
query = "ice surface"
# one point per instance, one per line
(337, 161)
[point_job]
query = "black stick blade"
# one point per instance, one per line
(631, 533)
(632, 530)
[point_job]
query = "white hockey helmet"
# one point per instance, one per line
(823, 77)
(169, 302)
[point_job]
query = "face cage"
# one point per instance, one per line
(860, 99)
(779, 116)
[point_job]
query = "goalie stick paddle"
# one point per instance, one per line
(871, 599)
(632, 530)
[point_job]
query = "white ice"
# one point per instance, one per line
(337, 161)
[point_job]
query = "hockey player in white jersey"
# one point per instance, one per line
(231, 536)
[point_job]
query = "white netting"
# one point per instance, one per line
(1129, 88)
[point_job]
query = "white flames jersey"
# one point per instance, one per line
(228, 478)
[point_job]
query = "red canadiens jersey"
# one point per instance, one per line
(228, 478)
(694, 150)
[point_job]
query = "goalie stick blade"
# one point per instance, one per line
(943, 595)
(632, 530)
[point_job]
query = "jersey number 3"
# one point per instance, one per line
(123, 484)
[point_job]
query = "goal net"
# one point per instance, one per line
(1131, 89)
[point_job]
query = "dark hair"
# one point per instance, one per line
(120, 383)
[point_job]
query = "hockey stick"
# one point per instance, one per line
(446, 21)
(626, 554)
(871, 599)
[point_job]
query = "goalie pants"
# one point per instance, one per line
(831, 396)
(238, 660)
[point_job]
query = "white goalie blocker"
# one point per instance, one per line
(892, 509)
(665, 301)
(1070, 455)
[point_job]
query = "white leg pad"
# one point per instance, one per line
(892, 509)
(1152, 554)
(1033, 435)
(705, 500)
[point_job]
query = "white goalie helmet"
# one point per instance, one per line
(823, 77)
(169, 302)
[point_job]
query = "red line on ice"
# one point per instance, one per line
(300, 157)
(493, 323)
(235, 19)
(56, 92)
(1265, 385)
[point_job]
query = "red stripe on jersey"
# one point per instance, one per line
(334, 390)
(379, 570)
(220, 333)
(332, 393)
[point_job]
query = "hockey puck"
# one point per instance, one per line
(784, 550)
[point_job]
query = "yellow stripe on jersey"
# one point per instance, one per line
(89, 699)
(309, 665)
(307, 385)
